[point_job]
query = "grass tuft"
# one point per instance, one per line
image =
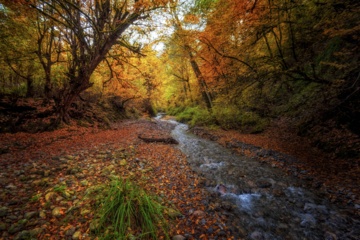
(127, 212)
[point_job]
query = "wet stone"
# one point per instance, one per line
(257, 235)
(330, 236)
(264, 183)
(308, 221)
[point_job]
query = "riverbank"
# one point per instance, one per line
(45, 179)
(337, 178)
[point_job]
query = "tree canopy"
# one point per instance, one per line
(236, 64)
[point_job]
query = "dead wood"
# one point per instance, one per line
(167, 140)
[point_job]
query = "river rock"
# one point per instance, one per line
(122, 162)
(84, 211)
(172, 213)
(11, 187)
(178, 237)
(257, 235)
(330, 236)
(308, 220)
(313, 208)
(76, 235)
(36, 231)
(16, 227)
(23, 235)
(30, 215)
(69, 157)
(70, 231)
(84, 182)
(50, 196)
(57, 211)
(3, 211)
(3, 226)
(199, 213)
(94, 225)
(265, 183)
(42, 214)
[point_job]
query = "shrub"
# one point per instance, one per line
(232, 117)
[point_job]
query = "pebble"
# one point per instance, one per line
(256, 235)
(30, 215)
(76, 235)
(3, 211)
(11, 187)
(199, 213)
(178, 237)
(23, 235)
(56, 212)
(330, 236)
(3, 226)
(36, 231)
(42, 214)
(16, 227)
(84, 182)
(50, 196)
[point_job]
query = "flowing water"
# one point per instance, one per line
(268, 203)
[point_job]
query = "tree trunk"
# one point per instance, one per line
(203, 87)
(30, 86)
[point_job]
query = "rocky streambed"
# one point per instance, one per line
(262, 202)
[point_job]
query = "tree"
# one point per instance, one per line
(89, 29)
(16, 50)
(183, 38)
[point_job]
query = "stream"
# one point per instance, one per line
(265, 202)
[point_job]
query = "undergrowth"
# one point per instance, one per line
(128, 212)
(229, 117)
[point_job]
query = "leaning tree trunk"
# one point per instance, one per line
(203, 87)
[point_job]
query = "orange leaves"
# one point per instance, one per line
(192, 19)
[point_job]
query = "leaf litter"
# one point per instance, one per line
(55, 176)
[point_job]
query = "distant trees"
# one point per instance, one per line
(277, 58)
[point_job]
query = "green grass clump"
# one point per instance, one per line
(127, 212)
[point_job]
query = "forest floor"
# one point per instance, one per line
(46, 177)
